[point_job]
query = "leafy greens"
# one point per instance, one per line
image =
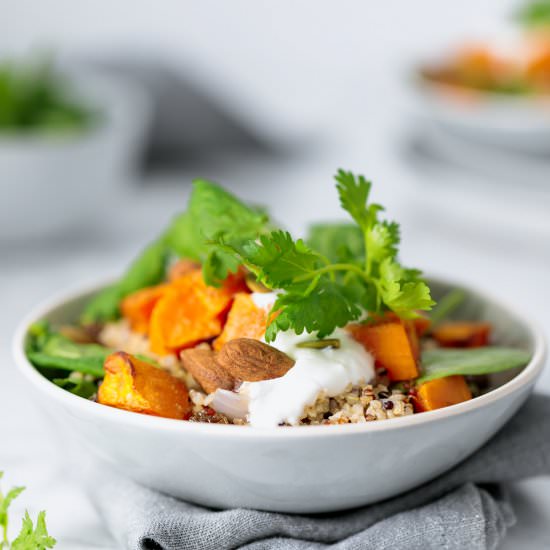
(31, 536)
(439, 363)
(212, 212)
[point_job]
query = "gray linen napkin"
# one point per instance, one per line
(463, 508)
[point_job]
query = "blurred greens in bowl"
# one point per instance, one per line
(34, 97)
(70, 138)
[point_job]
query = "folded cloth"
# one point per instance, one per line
(466, 507)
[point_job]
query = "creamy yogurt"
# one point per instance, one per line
(264, 300)
(284, 399)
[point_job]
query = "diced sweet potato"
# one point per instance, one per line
(391, 345)
(137, 386)
(442, 392)
(245, 320)
(181, 268)
(538, 68)
(138, 306)
(462, 334)
(188, 313)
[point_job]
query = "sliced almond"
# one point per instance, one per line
(251, 360)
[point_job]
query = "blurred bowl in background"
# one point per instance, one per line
(50, 183)
(495, 90)
(519, 123)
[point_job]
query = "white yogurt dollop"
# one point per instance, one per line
(331, 370)
(265, 300)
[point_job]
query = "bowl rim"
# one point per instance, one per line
(147, 422)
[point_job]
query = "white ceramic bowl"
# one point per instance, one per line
(296, 469)
(55, 183)
(516, 123)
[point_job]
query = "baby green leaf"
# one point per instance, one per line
(439, 363)
(446, 306)
(78, 386)
(339, 242)
(52, 350)
(86, 365)
(147, 269)
(5, 502)
(33, 537)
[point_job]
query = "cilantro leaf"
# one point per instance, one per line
(348, 270)
(339, 242)
(281, 259)
(5, 502)
(318, 312)
(354, 194)
(402, 290)
(30, 537)
(382, 240)
(33, 537)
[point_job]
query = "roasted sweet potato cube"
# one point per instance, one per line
(462, 334)
(181, 268)
(188, 313)
(391, 345)
(138, 386)
(442, 392)
(245, 320)
(138, 307)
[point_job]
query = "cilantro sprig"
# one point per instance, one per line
(320, 294)
(344, 271)
(32, 536)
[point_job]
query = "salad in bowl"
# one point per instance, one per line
(228, 319)
(495, 89)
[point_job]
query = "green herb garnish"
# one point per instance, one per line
(439, 363)
(535, 13)
(320, 295)
(31, 537)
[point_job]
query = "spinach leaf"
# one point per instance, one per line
(147, 269)
(87, 365)
(439, 363)
(338, 242)
(446, 306)
(51, 350)
(78, 386)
